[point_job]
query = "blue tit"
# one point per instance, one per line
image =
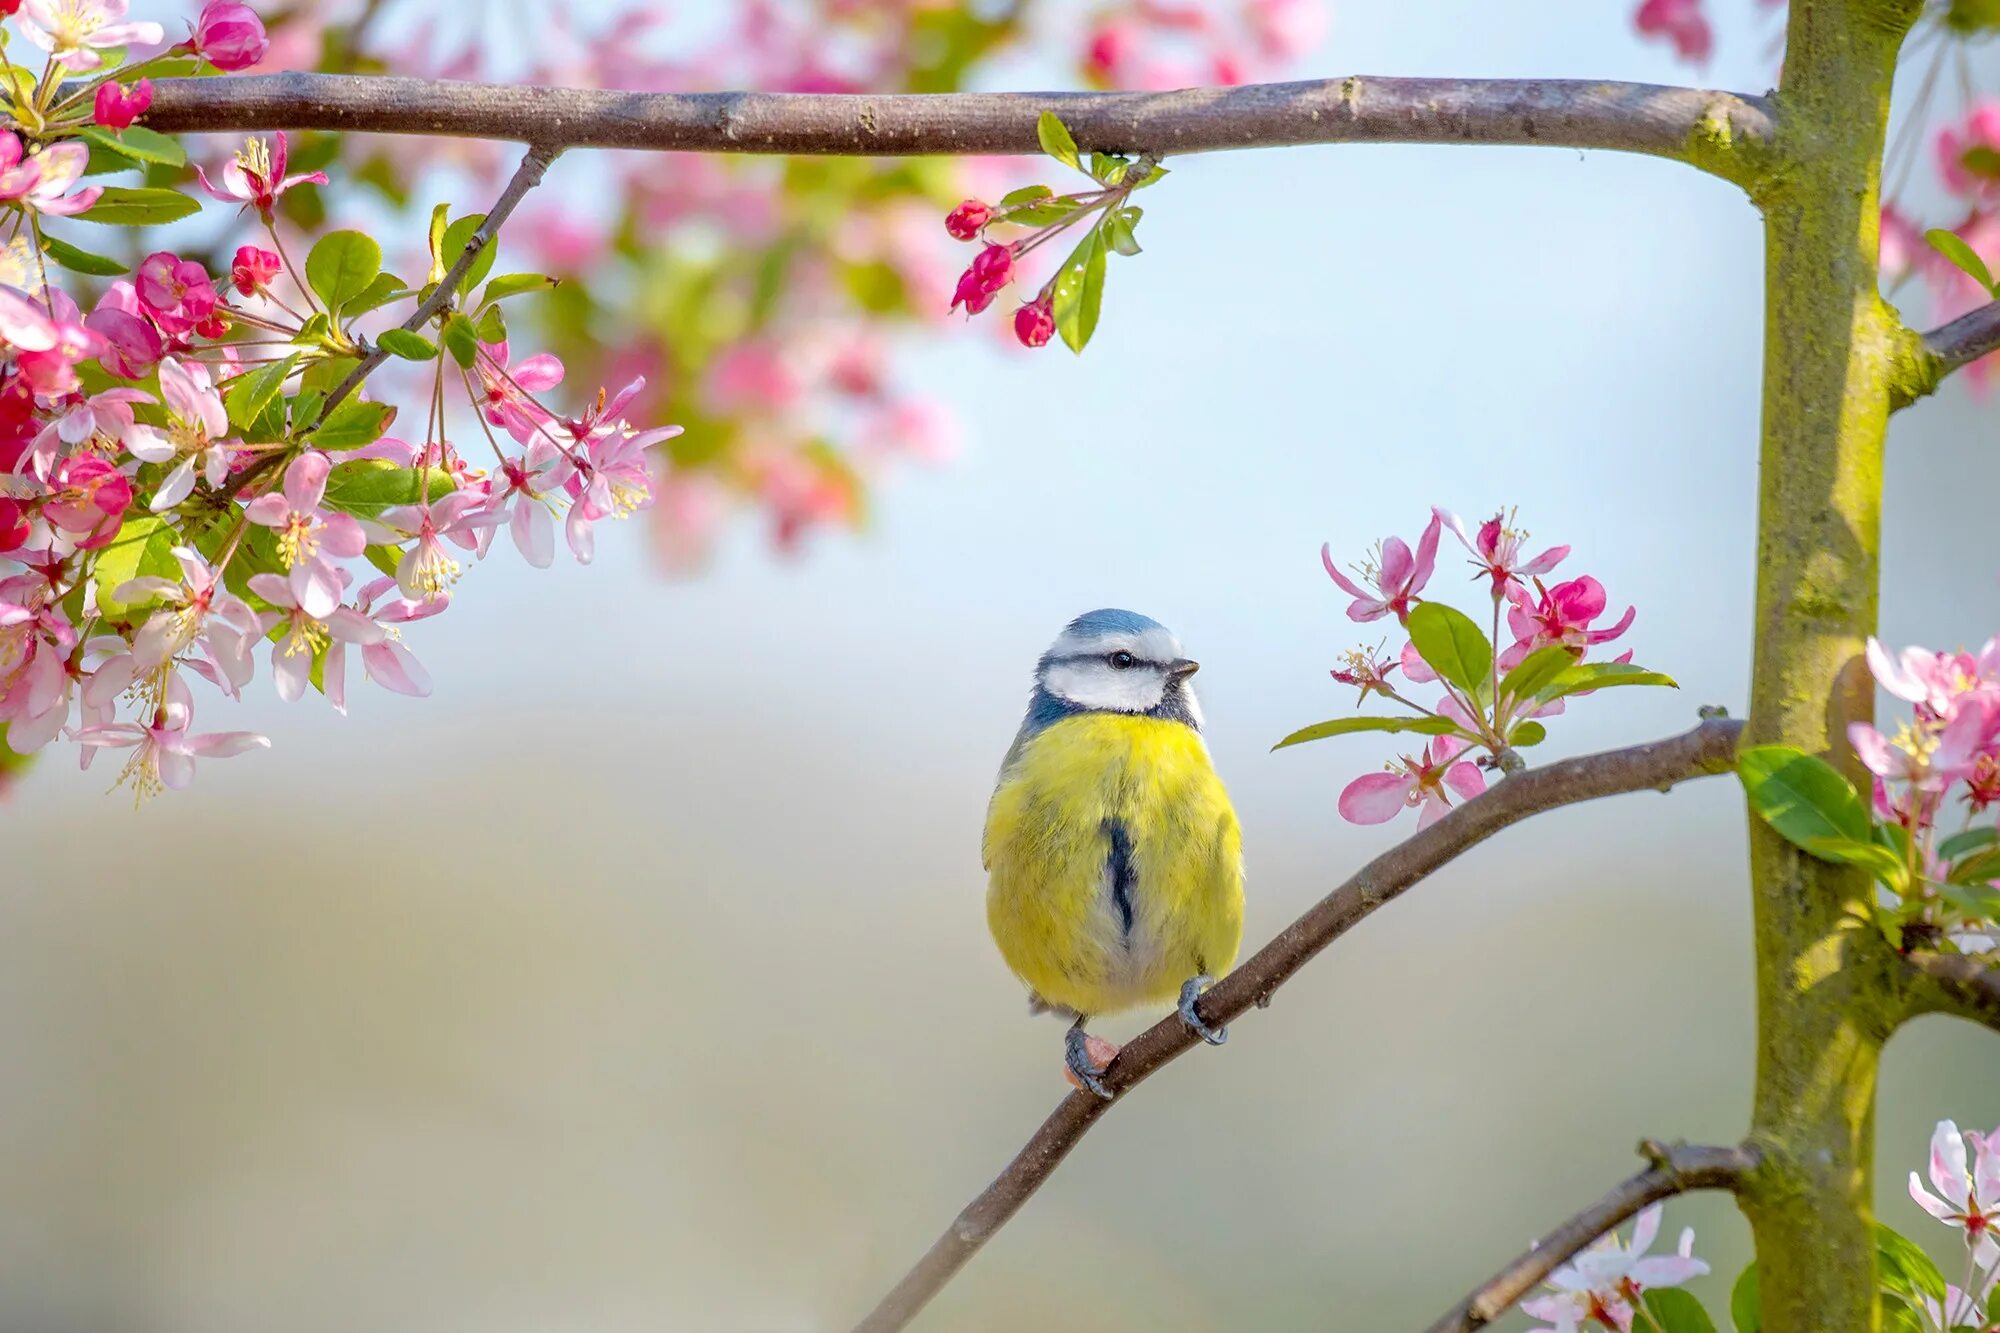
(1115, 863)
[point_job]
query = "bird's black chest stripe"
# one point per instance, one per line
(1123, 873)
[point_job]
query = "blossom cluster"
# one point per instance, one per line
(1070, 300)
(1492, 702)
(193, 480)
(1618, 1287)
(761, 298)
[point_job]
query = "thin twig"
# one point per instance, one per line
(1709, 748)
(1956, 984)
(1726, 133)
(1949, 348)
(526, 177)
(1675, 1169)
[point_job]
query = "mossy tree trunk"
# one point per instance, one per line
(1827, 995)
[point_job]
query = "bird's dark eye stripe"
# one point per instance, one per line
(1069, 658)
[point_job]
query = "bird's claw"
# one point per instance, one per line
(1190, 992)
(1076, 1054)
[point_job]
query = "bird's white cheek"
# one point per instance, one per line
(1097, 686)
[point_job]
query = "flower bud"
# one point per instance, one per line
(1035, 323)
(965, 221)
(118, 106)
(229, 36)
(978, 285)
(253, 269)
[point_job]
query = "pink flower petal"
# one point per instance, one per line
(1375, 798)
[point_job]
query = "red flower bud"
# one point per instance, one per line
(214, 326)
(117, 106)
(977, 286)
(253, 269)
(965, 221)
(228, 36)
(1035, 323)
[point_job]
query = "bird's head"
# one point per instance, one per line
(1120, 662)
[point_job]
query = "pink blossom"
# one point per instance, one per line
(1394, 576)
(427, 570)
(1929, 760)
(1376, 798)
(1562, 614)
(116, 106)
(309, 537)
(509, 403)
(87, 501)
(195, 609)
(523, 502)
(14, 525)
(24, 323)
(1286, 30)
(228, 36)
(991, 270)
(252, 270)
(753, 375)
(256, 177)
(163, 751)
(133, 346)
(387, 661)
(35, 643)
(1936, 682)
(52, 371)
(76, 418)
(1680, 22)
(1968, 1199)
(1968, 154)
(1367, 669)
(196, 423)
(617, 484)
(42, 180)
(175, 293)
(306, 636)
(1603, 1284)
(74, 31)
(1496, 550)
(1900, 246)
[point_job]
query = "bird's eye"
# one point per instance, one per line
(1122, 661)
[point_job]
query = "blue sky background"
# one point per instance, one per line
(639, 977)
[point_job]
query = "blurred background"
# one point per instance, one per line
(639, 978)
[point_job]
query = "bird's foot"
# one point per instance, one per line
(1190, 992)
(1087, 1057)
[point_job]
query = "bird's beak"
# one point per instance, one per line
(1181, 668)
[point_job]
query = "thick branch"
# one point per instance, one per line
(1943, 350)
(1955, 984)
(1720, 132)
(1675, 1170)
(526, 177)
(1709, 748)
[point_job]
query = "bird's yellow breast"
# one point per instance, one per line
(1115, 863)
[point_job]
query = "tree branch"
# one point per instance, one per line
(1955, 984)
(1709, 748)
(1675, 1170)
(1724, 133)
(1943, 350)
(526, 177)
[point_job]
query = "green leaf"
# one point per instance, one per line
(1586, 676)
(1971, 840)
(456, 237)
(1036, 206)
(81, 261)
(1800, 795)
(1343, 726)
(1527, 733)
(515, 284)
(144, 546)
(341, 265)
(492, 326)
(384, 558)
(140, 144)
(1536, 670)
(248, 395)
(1456, 648)
(1056, 141)
(1027, 194)
(410, 346)
(1952, 247)
(385, 288)
(1117, 228)
(1079, 292)
(1975, 900)
(460, 340)
(1904, 1269)
(439, 263)
(1745, 1309)
(367, 486)
(139, 207)
(353, 424)
(1676, 1311)
(1886, 865)
(1980, 868)
(1899, 1316)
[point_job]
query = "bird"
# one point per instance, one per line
(1113, 854)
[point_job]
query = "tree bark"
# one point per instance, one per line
(1826, 992)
